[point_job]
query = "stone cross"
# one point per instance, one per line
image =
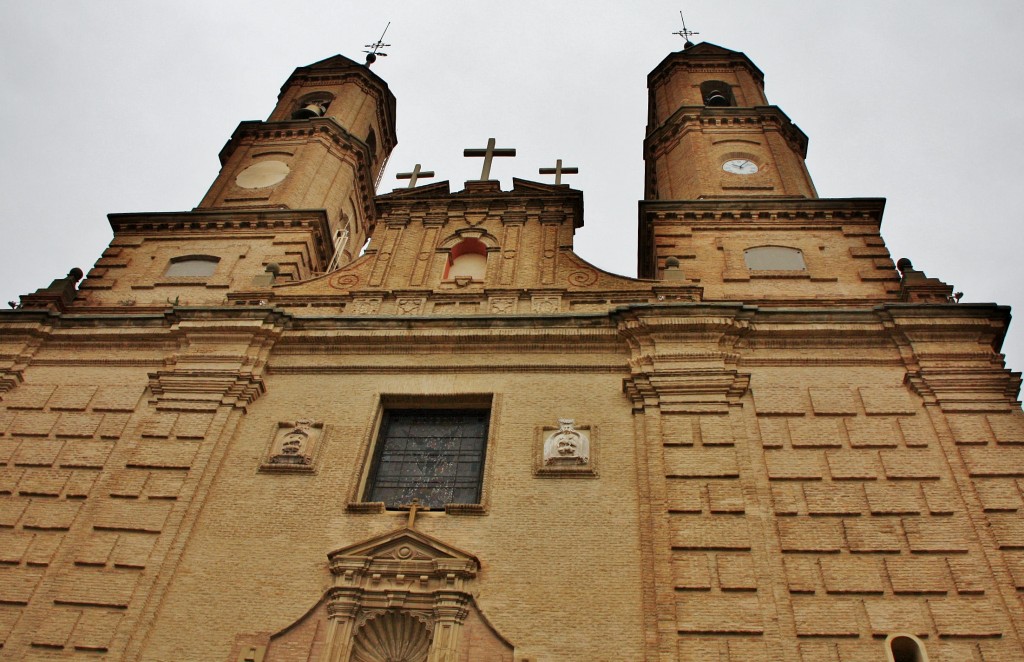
(489, 153)
(558, 171)
(414, 508)
(415, 175)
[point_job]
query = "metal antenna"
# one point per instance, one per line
(371, 56)
(684, 33)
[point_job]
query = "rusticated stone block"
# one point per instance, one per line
(853, 465)
(677, 430)
(806, 534)
(966, 617)
(29, 396)
(71, 397)
(872, 432)
(44, 546)
(780, 400)
(85, 453)
(886, 498)
(794, 465)
(113, 426)
(165, 484)
(998, 494)
(9, 477)
(50, 514)
(940, 498)
(18, 583)
(1004, 461)
(833, 400)
(787, 498)
(818, 651)
(78, 424)
(128, 483)
(969, 576)
(774, 431)
(163, 454)
(33, 423)
(43, 482)
(815, 432)
(873, 534)
(1008, 530)
(852, 574)
(888, 400)
(821, 617)
(802, 573)
(96, 549)
(124, 515)
(936, 534)
(1007, 428)
(55, 632)
(917, 431)
(95, 630)
(116, 398)
(916, 574)
(158, 425)
(192, 425)
(80, 484)
(684, 496)
(13, 545)
(725, 497)
(702, 532)
(888, 615)
(970, 428)
(11, 509)
(133, 550)
(716, 431)
(910, 464)
(86, 585)
(697, 461)
(736, 572)
(1015, 563)
(37, 452)
(691, 571)
(828, 498)
(740, 613)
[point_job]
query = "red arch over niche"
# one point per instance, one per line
(468, 246)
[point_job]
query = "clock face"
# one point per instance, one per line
(740, 166)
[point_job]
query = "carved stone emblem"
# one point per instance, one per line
(547, 304)
(503, 305)
(365, 306)
(566, 445)
(293, 446)
(410, 305)
(566, 450)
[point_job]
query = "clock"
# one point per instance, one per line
(740, 166)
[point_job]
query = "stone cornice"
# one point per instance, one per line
(731, 119)
(701, 56)
(751, 211)
(226, 222)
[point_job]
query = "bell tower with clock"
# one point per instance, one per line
(711, 132)
(728, 201)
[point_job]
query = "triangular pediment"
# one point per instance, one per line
(403, 544)
(425, 190)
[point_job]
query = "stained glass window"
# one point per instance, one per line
(434, 455)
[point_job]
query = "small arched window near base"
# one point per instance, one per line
(774, 258)
(468, 259)
(901, 647)
(192, 266)
(717, 93)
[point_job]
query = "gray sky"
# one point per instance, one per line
(123, 106)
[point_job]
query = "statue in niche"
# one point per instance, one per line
(567, 445)
(295, 444)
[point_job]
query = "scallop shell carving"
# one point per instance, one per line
(391, 637)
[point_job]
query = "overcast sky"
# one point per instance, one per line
(123, 107)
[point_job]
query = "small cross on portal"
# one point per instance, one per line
(414, 508)
(558, 171)
(489, 153)
(414, 176)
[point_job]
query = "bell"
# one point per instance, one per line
(309, 111)
(716, 98)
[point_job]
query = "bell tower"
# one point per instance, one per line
(711, 132)
(324, 146)
(729, 204)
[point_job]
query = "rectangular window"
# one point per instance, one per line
(434, 455)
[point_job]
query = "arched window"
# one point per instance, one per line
(468, 259)
(717, 93)
(774, 258)
(904, 648)
(192, 266)
(371, 142)
(314, 105)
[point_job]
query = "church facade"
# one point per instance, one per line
(304, 421)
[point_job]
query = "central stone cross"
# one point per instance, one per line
(558, 171)
(489, 153)
(414, 176)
